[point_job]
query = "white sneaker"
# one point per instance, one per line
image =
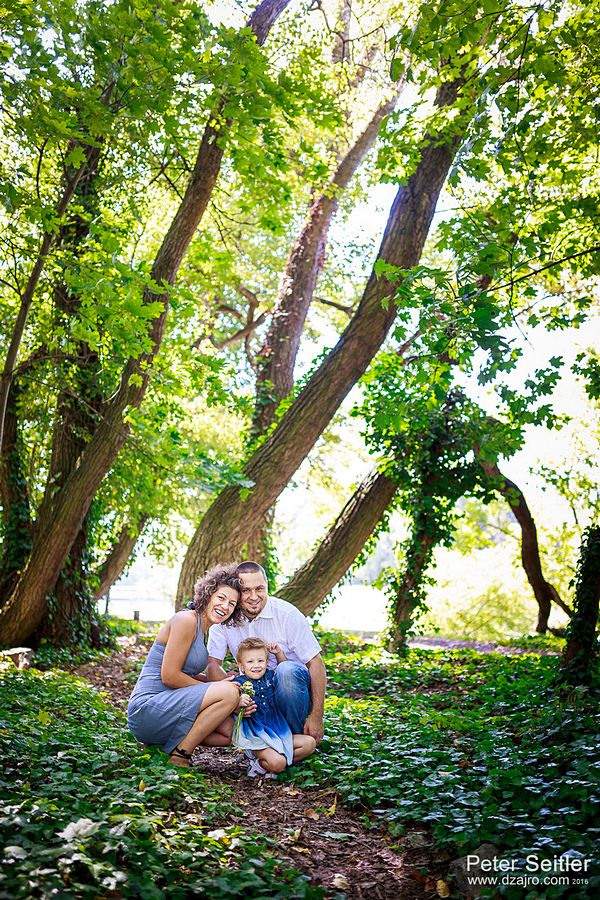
(255, 769)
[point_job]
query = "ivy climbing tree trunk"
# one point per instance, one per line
(16, 509)
(311, 583)
(60, 517)
(581, 648)
(409, 589)
(225, 528)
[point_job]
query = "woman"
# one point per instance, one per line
(173, 706)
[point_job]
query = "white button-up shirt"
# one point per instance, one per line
(278, 623)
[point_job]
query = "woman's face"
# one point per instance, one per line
(221, 604)
(253, 663)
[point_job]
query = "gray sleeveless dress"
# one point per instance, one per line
(158, 714)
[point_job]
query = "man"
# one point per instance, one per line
(300, 680)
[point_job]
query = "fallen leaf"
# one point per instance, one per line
(337, 835)
(312, 814)
(340, 882)
(442, 888)
(332, 808)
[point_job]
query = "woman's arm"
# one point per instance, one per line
(182, 631)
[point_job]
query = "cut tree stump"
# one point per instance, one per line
(20, 656)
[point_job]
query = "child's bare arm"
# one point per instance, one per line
(279, 654)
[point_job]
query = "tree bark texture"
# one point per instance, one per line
(581, 644)
(16, 511)
(114, 565)
(224, 529)
(544, 592)
(60, 518)
(277, 356)
(313, 581)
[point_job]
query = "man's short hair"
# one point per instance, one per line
(251, 643)
(250, 566)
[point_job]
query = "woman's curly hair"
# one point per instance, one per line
(209, 583)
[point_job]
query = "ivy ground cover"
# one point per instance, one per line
(84, 812)
(479, 747)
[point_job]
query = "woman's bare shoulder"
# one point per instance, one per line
(181, 623)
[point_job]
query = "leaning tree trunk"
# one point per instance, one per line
(311, 583)
(224, 529)
(582, 648)
(60, 517)
(277, 356)
(544, 592)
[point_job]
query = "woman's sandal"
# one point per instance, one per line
(180, 754)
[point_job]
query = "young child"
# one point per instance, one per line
(265, 735)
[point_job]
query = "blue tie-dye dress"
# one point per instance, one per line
(266, 727)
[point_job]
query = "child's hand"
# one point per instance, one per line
(276, 649)
(246, 704)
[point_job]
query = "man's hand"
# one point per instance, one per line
(315, 727)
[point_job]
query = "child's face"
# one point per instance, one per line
(253, 663)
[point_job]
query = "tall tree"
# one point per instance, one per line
(225, 528)
(61, 513)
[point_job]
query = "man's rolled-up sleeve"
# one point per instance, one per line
(301, 639)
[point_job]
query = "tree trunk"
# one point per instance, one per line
(544, 592)
(224, 528)
(581, 647)
(311, 583)
(409, 589)
(114, 565)
(277, 356)
(60, 518)
(16, 512)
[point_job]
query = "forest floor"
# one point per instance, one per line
(428, 757)
(339, 849)
(335, 847)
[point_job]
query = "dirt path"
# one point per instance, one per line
(480, 646)
(340, 850)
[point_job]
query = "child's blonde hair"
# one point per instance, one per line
(251, 643)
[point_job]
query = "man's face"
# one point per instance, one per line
(254, 593)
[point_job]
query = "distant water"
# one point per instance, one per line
(125, 601)
(356, 607)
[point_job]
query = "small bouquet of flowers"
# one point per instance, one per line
(247, 691)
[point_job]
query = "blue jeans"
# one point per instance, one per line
(292, 693)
